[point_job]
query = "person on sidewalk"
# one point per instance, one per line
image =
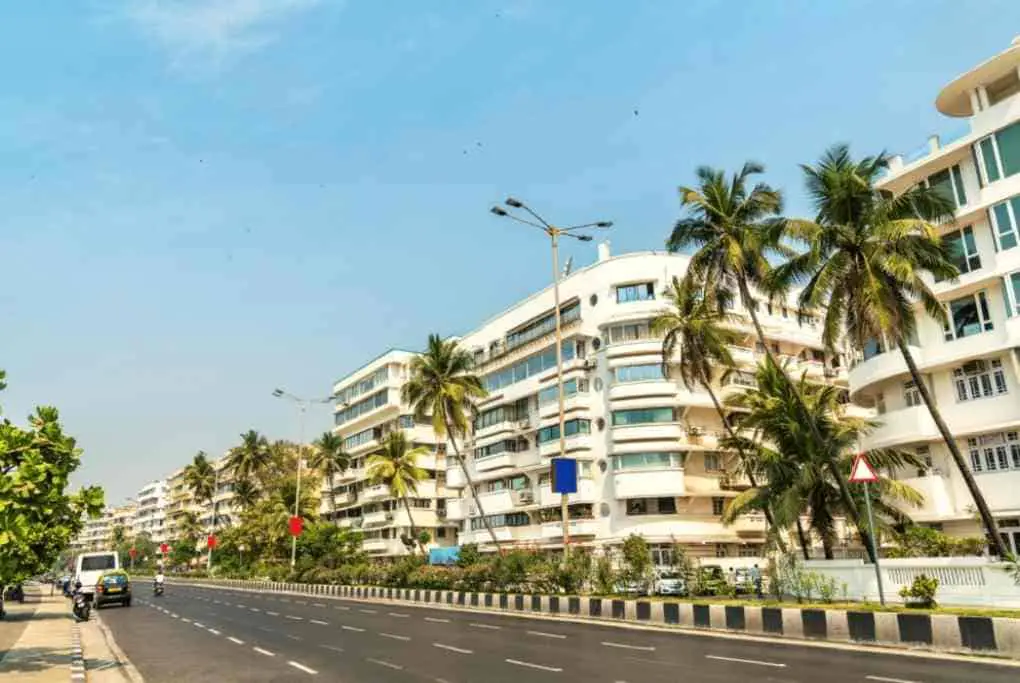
(756, 580)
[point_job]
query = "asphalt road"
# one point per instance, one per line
(199, 634)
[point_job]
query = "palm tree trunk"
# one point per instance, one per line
(414, 529)
(844, 488)
(827, 546)
(743, 458)
(802, 535)
(991, 528)
(471, 485)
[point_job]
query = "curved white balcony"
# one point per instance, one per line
(650, 388)
(378, 492)
(649, 483)
(481, 536)
(576, 442)
(938, 495)
(911, 425)
(880, 368)
(384, 546)
(495, 462)
(633, 348)
(456, 509)
(657, 431)
(576, 528)
(454, 476)
(586, 493)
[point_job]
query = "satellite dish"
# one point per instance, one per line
(568, 266)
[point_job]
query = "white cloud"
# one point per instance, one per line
(212, 29)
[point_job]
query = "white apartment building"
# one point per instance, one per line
(972, 366)
(97, 534)
(647, 446)
(150, 514)
(368, 406)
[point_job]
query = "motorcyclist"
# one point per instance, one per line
(157, 582)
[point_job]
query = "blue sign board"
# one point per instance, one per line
(445, 556)
(564, 475)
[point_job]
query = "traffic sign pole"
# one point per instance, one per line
(874, 547)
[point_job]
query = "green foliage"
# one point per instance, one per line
(637, 562)
(1012, 567)
(38, 517)
(606, 577)
(468, 555)
(921, 593)
(922, 541)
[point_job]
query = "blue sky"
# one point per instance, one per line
(205, 199)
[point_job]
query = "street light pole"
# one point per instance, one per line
(554, 234)
(215, 503)
(303, 405)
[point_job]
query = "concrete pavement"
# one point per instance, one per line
(42, 651)
(220, 635)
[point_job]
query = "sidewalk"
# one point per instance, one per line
(42, 652)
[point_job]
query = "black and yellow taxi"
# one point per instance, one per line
(113, 586)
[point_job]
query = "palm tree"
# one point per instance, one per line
(246, 494)
(735, 233)
(330, 458)
(795, 464)
(251, 459)
(395, 465)
(440, 389)
(693, 329)
(200, 476)
(867, 255)
(118, 535)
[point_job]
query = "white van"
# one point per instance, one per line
(90, 566)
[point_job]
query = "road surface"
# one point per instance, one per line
(193, 634)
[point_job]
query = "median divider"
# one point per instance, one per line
(996, 636)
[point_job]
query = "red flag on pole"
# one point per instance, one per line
(211, 541)
(164, 548)
(295, 526)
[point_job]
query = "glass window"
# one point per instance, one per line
(638, 373)
(718, 505)
(994, 452)
(989, 160)
(1004, 224)
(643, 416)
(712, 462)
(363, 386)
(363, 406)
(911, 395)
(637, 506)
(949, 183)
(979, 379)
(872, 348)
(963, 250)
(968, 316)
(572, 428)
(648, 460)
(1008, 142)
(667, 506)
(642, 291)
(552, 394)
(630, 332)
(543, 326)
(505, 446)
(1012, 292)
(532, 365)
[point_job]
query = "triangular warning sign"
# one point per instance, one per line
(861, 472)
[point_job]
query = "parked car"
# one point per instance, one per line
(711, 579)
(671, 583)
(113, 587)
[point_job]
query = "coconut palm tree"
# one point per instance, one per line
(441, 388)
(330, 459)
(246, 494)
(735, 233)
(395, 465)
(795, 465)
(200, 477)
(695, 342)
(867, 255)
(251, 458)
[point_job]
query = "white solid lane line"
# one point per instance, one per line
(746, 661)
(272, 614)
(381, 662)
(645, 648)
(451, 648)
(235, 640)
(302, 667)
(437, 621)
(883, 679)
(334, 648)
(488, 626)
(320, 623)
(394, 636)
(546, 635)
(398, 614)
(533, 666)
(267, 653)
(352, 628)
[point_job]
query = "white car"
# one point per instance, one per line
(671, 583)
(90, 566)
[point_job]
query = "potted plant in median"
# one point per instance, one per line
(921, 593)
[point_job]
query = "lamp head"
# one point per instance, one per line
(498, 210)
(277, 393)
(515, 203)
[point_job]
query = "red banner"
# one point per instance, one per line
(295, 526)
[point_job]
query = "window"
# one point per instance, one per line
(924, 455)
(999, 154)
(718, 505)
(979, 379)
(643, 416)
(1003, 218)
(667, 506)
(572, 428)
(552, 394)
(363, 386)
(1011, 292)
(505, 446)
(911, 395)
(962, 250)
(872, 348)
(543, 326)
(441, 532)
(530, 366)
(647, 461)
(740, 378)
(642, 291)
(508, 519)
(949, 184)
(994, 452)
(651, 506)
(968, 316)
(630, 332)
(638, 373)
(405, 422)
(637, 506)
(712, 462)
(363, 406)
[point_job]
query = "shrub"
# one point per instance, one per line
(468, 555)
(921, 592)
(922, 541)
(605, 576)
(637, 561)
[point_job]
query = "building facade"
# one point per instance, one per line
(150, 515)
(972, 365)
(368, 407)
(647, 446)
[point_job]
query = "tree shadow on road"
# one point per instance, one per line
(33, 659)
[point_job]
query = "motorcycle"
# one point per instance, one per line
(157, 589)
(80, 606)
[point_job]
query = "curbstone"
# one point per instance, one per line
(716, 616)
(752, 620)
(793, 624)
(837, 626)
(702, 616)
(1007, 636)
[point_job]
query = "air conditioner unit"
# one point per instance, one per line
(590, 364)
(974, 367)
(525, 497)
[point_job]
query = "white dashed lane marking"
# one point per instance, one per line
(302, 667)
(541, 667)
(543, 634)
(320, 623)
(746, 661)
(624, 646)
(437, 621)
(390, 665)
(267, 653)
(451, 648)
(394, 636)
(352, 628)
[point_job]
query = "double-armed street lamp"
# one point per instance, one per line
(554, 234)
(303, 404)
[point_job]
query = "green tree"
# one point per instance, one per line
(637, 562)
(246, 494)
(118, 535)
(200, 478)
(38, 516)
(251, 458)
(330, 459)
(694, 344)
(395, 464)
(187, 531)
(795, 465)
(441, 389)
(736, 233)
(865, 262)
